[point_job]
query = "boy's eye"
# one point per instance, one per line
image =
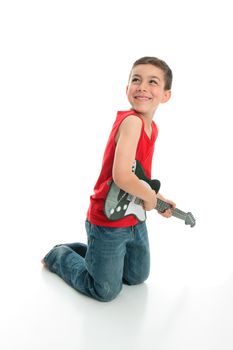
(152, 81)
(135, 80)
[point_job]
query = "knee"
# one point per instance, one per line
(109, 297)
(132, 280)
(107, 292)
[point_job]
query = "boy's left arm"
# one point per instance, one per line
(167, 213)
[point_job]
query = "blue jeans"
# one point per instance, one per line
(113, 256)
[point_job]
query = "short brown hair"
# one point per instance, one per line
(159, 64)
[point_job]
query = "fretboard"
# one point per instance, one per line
(162, 206)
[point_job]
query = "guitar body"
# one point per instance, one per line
(119, 203)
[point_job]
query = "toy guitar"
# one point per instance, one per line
(119, 203)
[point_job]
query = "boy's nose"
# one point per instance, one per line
(142, 87)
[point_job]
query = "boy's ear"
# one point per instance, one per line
(126, 90)
(166, 96)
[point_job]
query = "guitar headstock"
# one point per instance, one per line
(190, 220)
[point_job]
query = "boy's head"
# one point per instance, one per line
(154, 61)
(149, 85)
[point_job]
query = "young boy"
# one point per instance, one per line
(118, 250)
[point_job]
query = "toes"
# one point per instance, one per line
(43, 262)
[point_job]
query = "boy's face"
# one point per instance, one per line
(145, 90)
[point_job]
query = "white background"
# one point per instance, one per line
(63, 72)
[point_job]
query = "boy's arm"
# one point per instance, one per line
(127, 140)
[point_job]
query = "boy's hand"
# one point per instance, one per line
(151, 203)
(167, 213)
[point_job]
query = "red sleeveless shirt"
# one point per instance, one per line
(144, 154)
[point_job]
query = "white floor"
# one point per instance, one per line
(187, 302)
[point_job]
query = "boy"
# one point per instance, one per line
(118, 251)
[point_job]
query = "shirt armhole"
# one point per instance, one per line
(130, 115)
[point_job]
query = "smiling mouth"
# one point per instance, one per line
(142, 98)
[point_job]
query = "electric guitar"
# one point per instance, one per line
(119, 203)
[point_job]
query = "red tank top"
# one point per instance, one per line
(144, 154)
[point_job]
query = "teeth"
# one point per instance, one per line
(142, 98)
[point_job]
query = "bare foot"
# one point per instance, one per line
(43, 262)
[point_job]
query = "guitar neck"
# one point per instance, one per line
(162, 206)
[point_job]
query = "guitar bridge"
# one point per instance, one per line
(137, 201)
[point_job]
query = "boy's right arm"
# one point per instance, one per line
(126, 146)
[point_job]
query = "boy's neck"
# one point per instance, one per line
(147, 118)
(147, 122)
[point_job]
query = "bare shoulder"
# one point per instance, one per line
(131, 125)
(131, 121)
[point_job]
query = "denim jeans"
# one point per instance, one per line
(112, 257)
